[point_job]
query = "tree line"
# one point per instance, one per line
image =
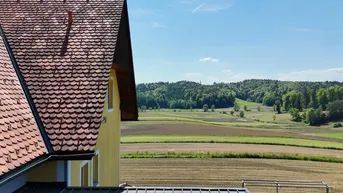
(183, 95)
(188, 94)
(318, 106)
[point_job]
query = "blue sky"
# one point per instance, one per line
(232, 40)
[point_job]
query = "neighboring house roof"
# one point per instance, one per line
(60, 188)
(20, 139)
(63, 51)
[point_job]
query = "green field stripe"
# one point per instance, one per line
(233, 155)
(284, 141)
(253, 143)
(334, 135)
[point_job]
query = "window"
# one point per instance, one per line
(96, 168)
(110, 94)
(84, 174)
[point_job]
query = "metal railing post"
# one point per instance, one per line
(277, 187)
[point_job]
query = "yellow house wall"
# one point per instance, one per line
(46, 172)
(108, 144)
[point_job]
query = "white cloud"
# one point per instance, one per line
(227, 71)
(208, 59)
(236, 77)
(207, 7)
(140, 11)
(331, 74)
(187, 1)
(192, 74)
(229, 77)
(212, 79)
(155, 24)
(307, 30)
(198, 7)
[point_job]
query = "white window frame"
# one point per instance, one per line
(97, 152)
(69, 173)
(108, 90)
(83, 163)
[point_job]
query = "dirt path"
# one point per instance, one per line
(222, 147)
(215, 130)
(228, 172)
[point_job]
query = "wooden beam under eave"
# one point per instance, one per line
(118, 69)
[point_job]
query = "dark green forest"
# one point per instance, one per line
(187, 94)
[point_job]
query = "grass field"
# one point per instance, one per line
(163, 137)
(242, 103)
(335, 135)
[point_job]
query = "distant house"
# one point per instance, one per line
(66, 82)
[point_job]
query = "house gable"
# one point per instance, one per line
(65, 52)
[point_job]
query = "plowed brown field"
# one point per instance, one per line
(214, 130)
(227, 172)
(226, 148)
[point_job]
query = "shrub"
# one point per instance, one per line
(213, 108)
(245, 108)
(277, 107)
(232, 112)
(335, 109)
(143, 108)
(258, 108)
(295, 114)
(236, 107)
(241, 114)
(257, 119)
(224, 112)
(337, 125)
(274, 117)
(205, 107)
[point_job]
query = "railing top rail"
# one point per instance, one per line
(269, 180)
(285, 183)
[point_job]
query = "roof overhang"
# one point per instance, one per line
(123, 64)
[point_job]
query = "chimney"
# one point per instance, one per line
(64, 47)
(70, 18)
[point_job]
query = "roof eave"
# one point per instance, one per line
(23, 169)
(78, 155)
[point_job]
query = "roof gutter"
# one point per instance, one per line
(74, 156)
(27, 94)
(40, 160)
(23, 169)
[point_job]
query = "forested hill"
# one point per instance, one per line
(186, 94)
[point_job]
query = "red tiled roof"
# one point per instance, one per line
(20, 139)
(66, 67)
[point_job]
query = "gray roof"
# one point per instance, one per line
(61, 188)
(156, 190)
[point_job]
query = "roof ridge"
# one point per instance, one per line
(27, 94)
